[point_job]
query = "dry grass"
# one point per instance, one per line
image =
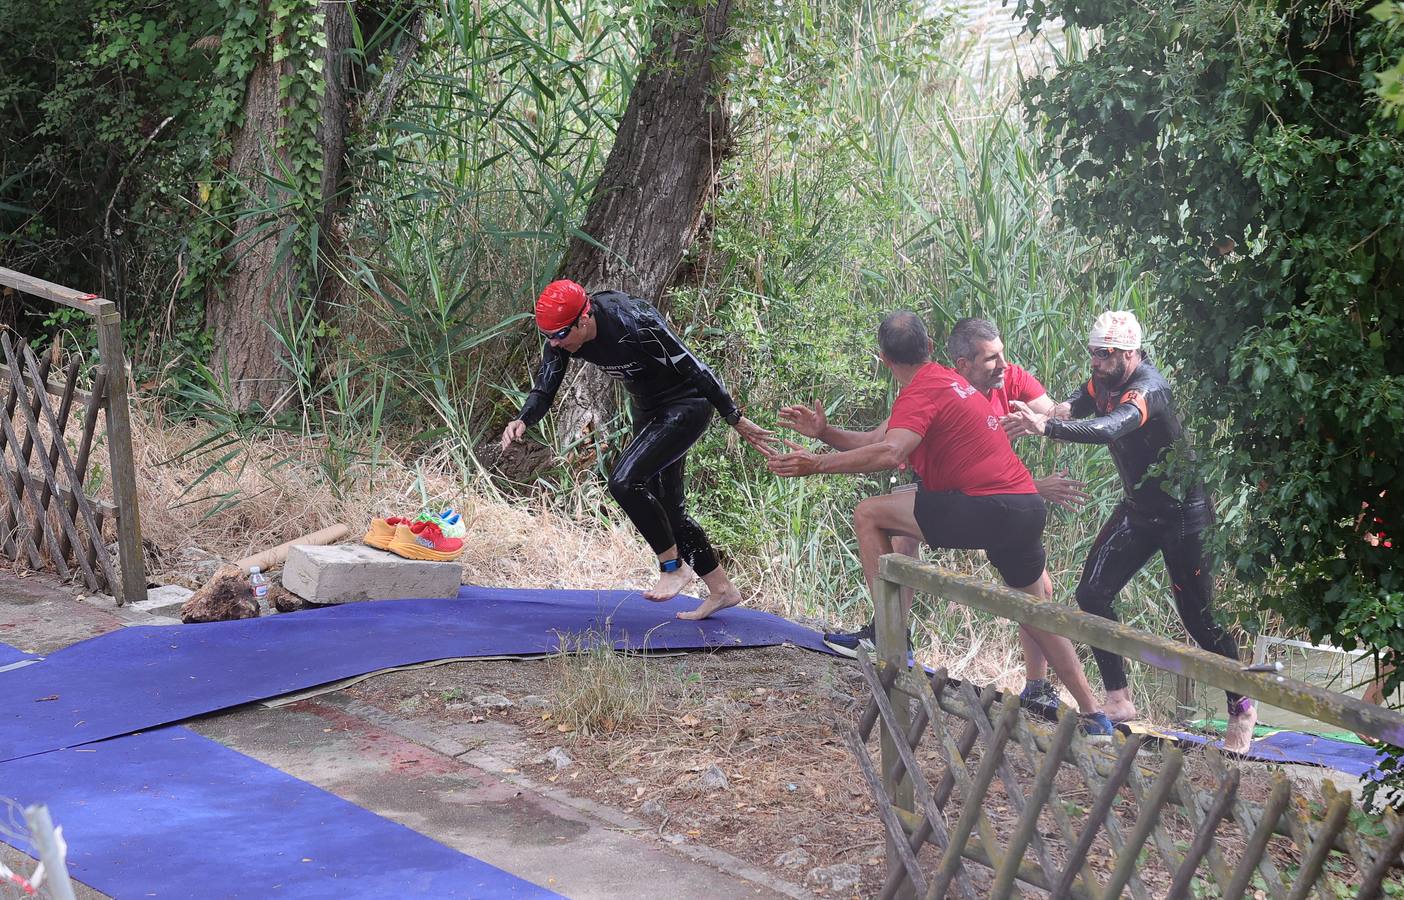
(596, 689)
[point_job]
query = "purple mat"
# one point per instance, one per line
(1305, 749)
(169, 813)
(141, 677)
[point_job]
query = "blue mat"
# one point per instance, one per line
(1304, 749)
(139, 678)
(169, 813)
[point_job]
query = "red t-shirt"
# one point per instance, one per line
(962, 447)
(1018, 385)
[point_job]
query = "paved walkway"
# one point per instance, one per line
(459, 785)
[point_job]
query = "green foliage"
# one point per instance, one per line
(1390, 85)
(1237, 156)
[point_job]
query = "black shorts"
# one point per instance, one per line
(1008, 527)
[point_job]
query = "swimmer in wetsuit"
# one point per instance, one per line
(673, 397)
(1133, 413)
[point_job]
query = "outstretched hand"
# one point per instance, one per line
(1060, 490)
(1022, 420)
(808, 421)
(795, 464)
(513, 432)
(760, 438)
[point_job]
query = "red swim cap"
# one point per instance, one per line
(560, 303)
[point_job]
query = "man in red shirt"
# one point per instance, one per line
(887, 523)
(974, 492)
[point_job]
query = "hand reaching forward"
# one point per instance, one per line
(1022, 420)
(809, 422)
(1060, 490)
(513, 432)
(796, 464)
(758, 437)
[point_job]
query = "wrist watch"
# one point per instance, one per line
(733, 418)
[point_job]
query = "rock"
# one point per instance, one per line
(630, 782)
(492, 701)
(284, 600)
(713, 779)
(198, 565)
(226, 596)
(160, 597)
(534, 701)
(345, 573)
(842, 878)
(557, 757)
(792, 859)
(653, 808)
(675, 839)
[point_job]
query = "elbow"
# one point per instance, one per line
(890, 457)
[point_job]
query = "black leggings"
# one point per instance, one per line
(647, 482)
(1127, 542)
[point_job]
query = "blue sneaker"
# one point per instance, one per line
(1095, 726)
(846, 643)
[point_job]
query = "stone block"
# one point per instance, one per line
(345, 573)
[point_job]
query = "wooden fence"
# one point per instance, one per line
(49, 515)
(1162, 822)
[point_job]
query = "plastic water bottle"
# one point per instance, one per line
(259, 584)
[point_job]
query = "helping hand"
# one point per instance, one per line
(1060, 490)
(1022, 421)
(809, 422)
(797, 464)
(514, 431)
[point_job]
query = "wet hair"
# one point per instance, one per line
(966, 334)
(902, 338)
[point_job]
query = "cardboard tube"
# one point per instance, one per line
(274, 556)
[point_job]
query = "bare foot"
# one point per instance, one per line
(670, 584)
(713, 603)
(1119, 710)
(1239, 733)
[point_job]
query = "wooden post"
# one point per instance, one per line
(119, 448)
(891, 633)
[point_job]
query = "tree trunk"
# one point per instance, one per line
(647, 207)
(260, 288)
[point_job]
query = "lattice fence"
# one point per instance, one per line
(1067, 797)
(54, 440)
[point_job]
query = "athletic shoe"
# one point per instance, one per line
(1040, 694)
(846, 643)
(382, 531)
(1095, 726)
(424, 540)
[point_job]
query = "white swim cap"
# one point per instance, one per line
(1118, 330)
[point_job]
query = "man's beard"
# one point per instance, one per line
(1112, 380)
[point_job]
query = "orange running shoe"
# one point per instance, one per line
(382, 531)
(424, 540)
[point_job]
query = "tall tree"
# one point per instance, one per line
(282, 178)
(647, 207)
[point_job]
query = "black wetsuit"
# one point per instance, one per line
(673, 397)
(1138, 423)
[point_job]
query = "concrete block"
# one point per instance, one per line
(163, 596)
(345, 573)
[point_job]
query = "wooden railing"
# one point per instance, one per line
(47, 515)
(1158, 832)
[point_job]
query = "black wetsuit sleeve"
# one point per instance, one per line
(1131, 412)
(548, 380)
(657, 340)
(1081, 405)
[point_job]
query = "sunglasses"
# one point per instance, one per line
(560, 333)
(1099, 353)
